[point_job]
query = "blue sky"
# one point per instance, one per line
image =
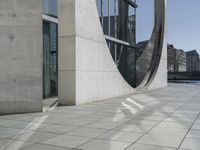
(183, 22)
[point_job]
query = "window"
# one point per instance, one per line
(118, 23)
(50, 7)
(118, 19)
(50, 75)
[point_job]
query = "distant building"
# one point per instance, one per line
(180, 60)
(193, 61)
(171, 58)
(176, 59)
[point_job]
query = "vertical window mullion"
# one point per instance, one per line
(102, 12)
(115, 21)
(109, 17)
(115, 14)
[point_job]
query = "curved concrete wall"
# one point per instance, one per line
(86, 69)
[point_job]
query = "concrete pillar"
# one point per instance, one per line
(66, 54)
(86, 69)
(20, 56)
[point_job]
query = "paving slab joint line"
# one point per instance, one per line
(159, 123)
(189, 130)
(125, 123)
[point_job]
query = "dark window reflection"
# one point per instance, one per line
(50, 74)
(106, 19)
(123, 57)
(118, 21)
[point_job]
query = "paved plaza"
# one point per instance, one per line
(164, 119)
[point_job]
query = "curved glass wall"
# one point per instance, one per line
(50, 7)
(127, 45)
(117, 18)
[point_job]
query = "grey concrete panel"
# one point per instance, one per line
(21, 56)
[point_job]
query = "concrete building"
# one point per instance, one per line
(171, 51)
(181, 60)
(61, 48)
(176, 59)
(193, 61)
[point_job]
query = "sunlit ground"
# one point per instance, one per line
(164, 119)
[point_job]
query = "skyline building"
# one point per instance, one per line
(176, 59)
(193, 61)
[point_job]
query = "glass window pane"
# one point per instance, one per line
(50, 74)
(112, 11)
(131, 25)
(105, 16)
(50, 7)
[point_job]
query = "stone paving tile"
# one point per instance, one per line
(20, 117)
(194, 134)
(10, 144)
(34, 136)
(174, 125)
(98, 144)
(150, 117)
(143, 122)
(9, 132)
(156, 120)
(197, 121)
(20, 124)
(196, 126)
(44, 147)
(67, 141)
(87, 132)
(191, 144)
(75, 122)
(115, 119)
(121, 136)
(57, 129)
(168, 131)
(134, 128)
(103, 125)
(161, 140)
(182, 120)
(148, 147)
(178, 115)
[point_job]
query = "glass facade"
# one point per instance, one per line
(50, 50)
(50, 7)
(118, 21)
(50, 77)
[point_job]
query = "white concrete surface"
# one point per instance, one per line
(86, 69)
